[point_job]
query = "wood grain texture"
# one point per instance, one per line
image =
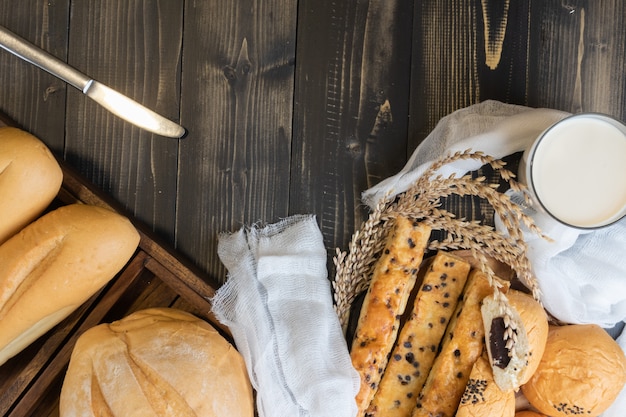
(237, 91)
(134, 47)
(579, 52)
(292, 106)
(351, 107)
(34, 99)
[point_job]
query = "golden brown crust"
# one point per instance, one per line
(482, 397)
(393, 278)
(54, 265)
(581, 372)
(157, 361)
(462, 345)
(416, 347)
(30, 178)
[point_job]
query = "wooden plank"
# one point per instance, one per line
(134, 47)
(237, 92)
(34, 99)
(578, 56)
(466, 51)
(351, 107)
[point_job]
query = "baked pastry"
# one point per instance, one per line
(514, 367)
(156, 362)
(581, 372)
(30, 178)
(461, 347)
(393, 279)
(416, 347)
(54, 265)
(482, 396)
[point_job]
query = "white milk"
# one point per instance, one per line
(577, 170)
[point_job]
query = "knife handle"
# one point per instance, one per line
(20, 47)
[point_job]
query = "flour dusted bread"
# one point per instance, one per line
(55, 264)
(580, 374)
(385, 301)
(514, 367)
(156, 362)
(416, 347)
(461, 347)
(30, 178)
(482, 396)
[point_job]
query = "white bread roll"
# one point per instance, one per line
(156, 362)
(54, 265)
(532, 333)
(30, 178)
(581, 372)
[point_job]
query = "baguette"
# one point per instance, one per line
(385, 301)
(461, 347)
(55, 264)
(30, 178)
(416, 347)
(155, 362)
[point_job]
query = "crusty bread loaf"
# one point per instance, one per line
(514, 367)
(482, 396)
(461, 347)
(392, 281)
(156, 362)
(416, 347)
(30, 178)
(581, 372)
(55, 264)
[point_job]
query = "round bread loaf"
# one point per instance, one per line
(482, 397)
(581, 373)
(532, 323)
(156, 362)
(30, 178)
(54, 265)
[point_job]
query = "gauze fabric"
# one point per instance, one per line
(277, 303)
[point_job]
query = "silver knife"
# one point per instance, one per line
(113, 101)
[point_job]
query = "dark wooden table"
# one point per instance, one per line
(291, 106)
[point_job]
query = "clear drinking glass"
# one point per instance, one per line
(575, 171)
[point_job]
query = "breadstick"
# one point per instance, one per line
(385, 301)
(462, 345)
(416, 347)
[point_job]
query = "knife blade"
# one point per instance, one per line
(112, 100)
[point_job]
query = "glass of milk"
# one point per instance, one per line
(576, 171)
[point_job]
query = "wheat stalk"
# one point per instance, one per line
(422, 202)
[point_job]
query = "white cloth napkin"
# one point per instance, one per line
(582, 276)
(277, 302)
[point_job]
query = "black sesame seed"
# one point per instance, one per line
(427, 287)
(411, 243)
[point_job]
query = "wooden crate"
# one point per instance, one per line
(155, 276)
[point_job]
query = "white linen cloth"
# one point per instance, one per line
(277, 302)
(582, 276)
